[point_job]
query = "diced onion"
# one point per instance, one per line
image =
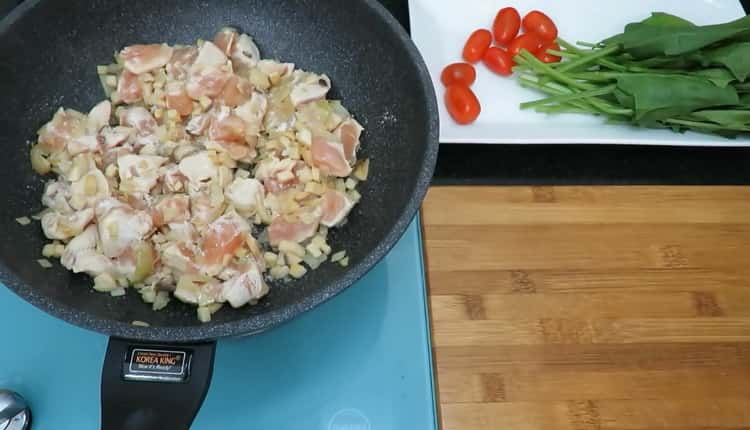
(44, 263)
(24, 220)
(117, 292)
(297, 271)
(105, 283)
(362, 169)
(39, 162)
(279, 272)
(204, 314)
(338, 256)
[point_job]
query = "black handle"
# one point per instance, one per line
(154, 386)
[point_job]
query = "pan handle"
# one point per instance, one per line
(148, 386)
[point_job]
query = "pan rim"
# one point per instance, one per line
(253, 325)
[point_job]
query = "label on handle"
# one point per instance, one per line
(156, 365)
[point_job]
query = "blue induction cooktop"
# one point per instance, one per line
(360, 361)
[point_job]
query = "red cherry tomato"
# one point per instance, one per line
(477, 44)
(545, 57)
(462, 104)
(458, 73)
(506, 25)
(528, 41)
(539, 23)
(497, 60)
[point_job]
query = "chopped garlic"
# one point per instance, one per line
(279, 272)
(292, 248)
(105, 283)
(204, 314)
(344, 262)
(23, 220)
(117, 292)
(362, 169)
(338, 256)
(140, 323)
(161, 300)
(270, 258)
(313, 250)
(297, 271)
(44, 263)
(350, 183)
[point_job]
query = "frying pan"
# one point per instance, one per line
(48, 53)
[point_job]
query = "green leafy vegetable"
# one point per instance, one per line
(662, 72)
(735, 57)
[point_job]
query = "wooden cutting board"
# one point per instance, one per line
(589, 308)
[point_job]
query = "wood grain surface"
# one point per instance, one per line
(588, 308)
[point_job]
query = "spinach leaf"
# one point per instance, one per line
(663, 36)
(735, 57)
(655, 97)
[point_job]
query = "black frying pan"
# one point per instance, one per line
(48, 53)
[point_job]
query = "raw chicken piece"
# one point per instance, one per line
(80, 254)
(348, 133)
(245, 53)
(221, 239)
(89, 189)
(182, 58)
(246, 195)
(310, 87)
(198, 124)
(328, 156)
(66, 125)
(178, 99)
(64, 226)
(336, 206)
(129, 88)
(174, 181)
(139, 59)
(209, 72)
(138, 118)
(180, 257)
(246, 287)
(227, 127)
(203, 209)
(171, 209)
(198, 167)
(236, 92)
(199, 291)
(139, 173)
(297, 232)
(274, 69)
(120, 226)
(98, 116)
(56, 195)
(225, 40)
(182, 232)
(252, 112)
(116, 136)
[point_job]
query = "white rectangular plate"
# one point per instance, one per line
(440, 28)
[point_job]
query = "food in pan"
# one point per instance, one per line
(206, 173)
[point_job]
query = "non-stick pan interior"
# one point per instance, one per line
(48, 56)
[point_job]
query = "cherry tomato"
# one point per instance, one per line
(477, 44)
(545, 57)
(497, 60)
(539, 23)
(528, 41)
(506, 25)
(458, 73)
(462, 104)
